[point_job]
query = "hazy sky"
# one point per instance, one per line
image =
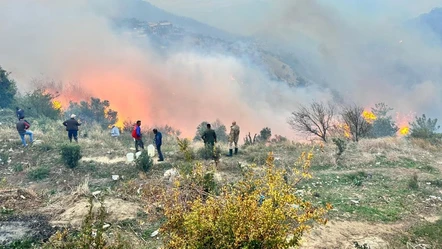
(240, 16)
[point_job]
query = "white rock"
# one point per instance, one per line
(106, 226)
(355, 201)
(21, 196)
(130, 157)
(138, 154)
(96, 193)
(171, 174)
(151, 150)
(115, 177)
(378, 163)
(155, 233)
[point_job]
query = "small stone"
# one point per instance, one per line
(355, 201)
(106, 226)
(378, 163)
(115, 177)
(96, 193)
(155, 233)
(21, 196)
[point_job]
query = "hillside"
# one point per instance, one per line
(385, 192)
(145, 11)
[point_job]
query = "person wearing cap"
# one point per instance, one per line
(72, 128)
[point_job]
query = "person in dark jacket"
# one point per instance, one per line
(136, 134)
(22, 128)
(72, 128)
(158, 142)
(209, 136)
(20, 113)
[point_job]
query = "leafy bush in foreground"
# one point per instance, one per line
(260, 211)
(71, 154)
(144, 162)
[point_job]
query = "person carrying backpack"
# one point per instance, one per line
(22, 128)
(136, 134)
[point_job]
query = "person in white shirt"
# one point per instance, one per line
(115, 132)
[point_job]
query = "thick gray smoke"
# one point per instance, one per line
(67, 41)
(365, 61)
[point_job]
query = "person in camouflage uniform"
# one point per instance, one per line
(233, 138)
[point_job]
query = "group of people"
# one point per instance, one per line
(209, 135)
(209, 138)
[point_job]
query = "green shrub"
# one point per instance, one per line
(265, 134)
(39, 173)
(217, 126)
(4, 157)
(144, 162)
(94, 111)
(413, 183)
(39, 104)
(209, 152)
(423, 128)
(8, 89)
(71, 155)
(186, 150)
(18, 167)
(384, 124)
(260, 211)
(341, 144)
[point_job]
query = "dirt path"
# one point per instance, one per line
(342, 234)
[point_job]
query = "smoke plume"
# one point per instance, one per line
(70, 42)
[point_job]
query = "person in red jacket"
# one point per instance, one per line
(136, 134)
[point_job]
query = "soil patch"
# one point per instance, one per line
(342, 234)
(74, 212)
(19, 227)
(18, 200)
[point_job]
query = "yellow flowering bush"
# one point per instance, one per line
(260, 211)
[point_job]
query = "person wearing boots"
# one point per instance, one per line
(233, 138)
(72, 128)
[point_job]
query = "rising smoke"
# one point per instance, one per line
(68, 41)
(365, 61)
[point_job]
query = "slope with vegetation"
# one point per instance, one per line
(369, 187)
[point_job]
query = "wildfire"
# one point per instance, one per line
(57, 105)
(404, 130)
(369, 116)
(345, 129)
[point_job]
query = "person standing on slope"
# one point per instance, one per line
(22, 128)
(158, 142)
(209, 136)
(233, 138)
(72, 128)
(136, 134)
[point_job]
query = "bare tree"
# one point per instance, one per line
(358, 125)
(315, 119)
